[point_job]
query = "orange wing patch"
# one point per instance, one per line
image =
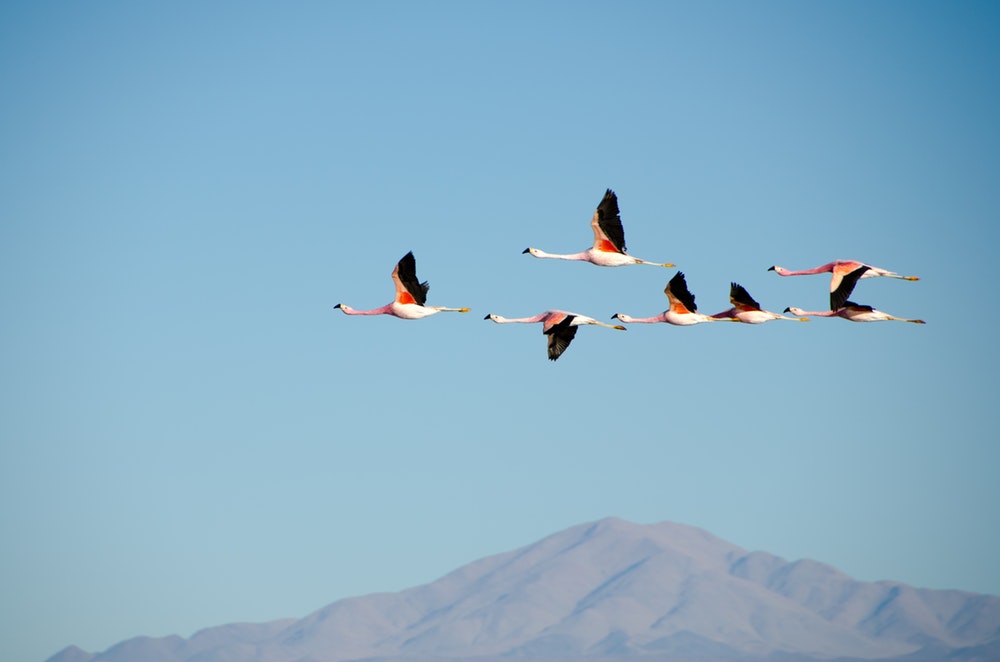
(405, 297)
(606, 246)
(679, 308)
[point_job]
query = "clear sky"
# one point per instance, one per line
(191, 435)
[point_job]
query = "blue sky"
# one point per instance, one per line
(191, 435)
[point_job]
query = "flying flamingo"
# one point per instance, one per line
(558, 325)
(410, 295)
(745, 309)
(682, 311)
(853, 312)
(849, 310)
(839, 269)
(609, 239)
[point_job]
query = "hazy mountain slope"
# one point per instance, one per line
(612, 588)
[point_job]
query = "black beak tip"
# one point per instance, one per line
(526, 250)
(487, 317)
(770, 268)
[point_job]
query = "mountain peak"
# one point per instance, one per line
(610, 587)
(73, 654)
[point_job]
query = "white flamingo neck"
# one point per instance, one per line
(499, 319)
(383, 310)
(628, 319)
(578, 257)
(798, 312)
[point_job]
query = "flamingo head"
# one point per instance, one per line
(621, 316)
(781, 271)
(491, 316)
(795, 311)
(532, 251)
(343, 307)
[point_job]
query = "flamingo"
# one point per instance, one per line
(558, 325)
(745, 309)
(853, 312)
(682, 311)
(839, 269)
(609, 239)
(410, 295)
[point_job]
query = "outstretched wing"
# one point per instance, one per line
(839, 297)
(741, 299)
(839, 269)
(609, 236)
(681, 299)
(408, 288)
(560, 336)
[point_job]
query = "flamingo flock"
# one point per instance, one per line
(608, 250)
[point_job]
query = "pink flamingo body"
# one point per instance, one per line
(682, 311)
(745, 309)
(410, 297)
(609, 239)
(559, 325)
(853, 312)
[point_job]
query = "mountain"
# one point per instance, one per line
(613, 589)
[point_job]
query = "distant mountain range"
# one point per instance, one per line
(613, 590)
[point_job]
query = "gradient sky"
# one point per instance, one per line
(191, 435)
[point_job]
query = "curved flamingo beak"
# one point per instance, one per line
(487, 317)
(788, 310)
(526, 250)
(770, 268)
(337, 306)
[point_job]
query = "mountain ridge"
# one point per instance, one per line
(611, 587)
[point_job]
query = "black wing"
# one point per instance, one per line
(739, 296)
(560, 336)
(839, 297)
(610, 221)
(407, 272)
(678, 287)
